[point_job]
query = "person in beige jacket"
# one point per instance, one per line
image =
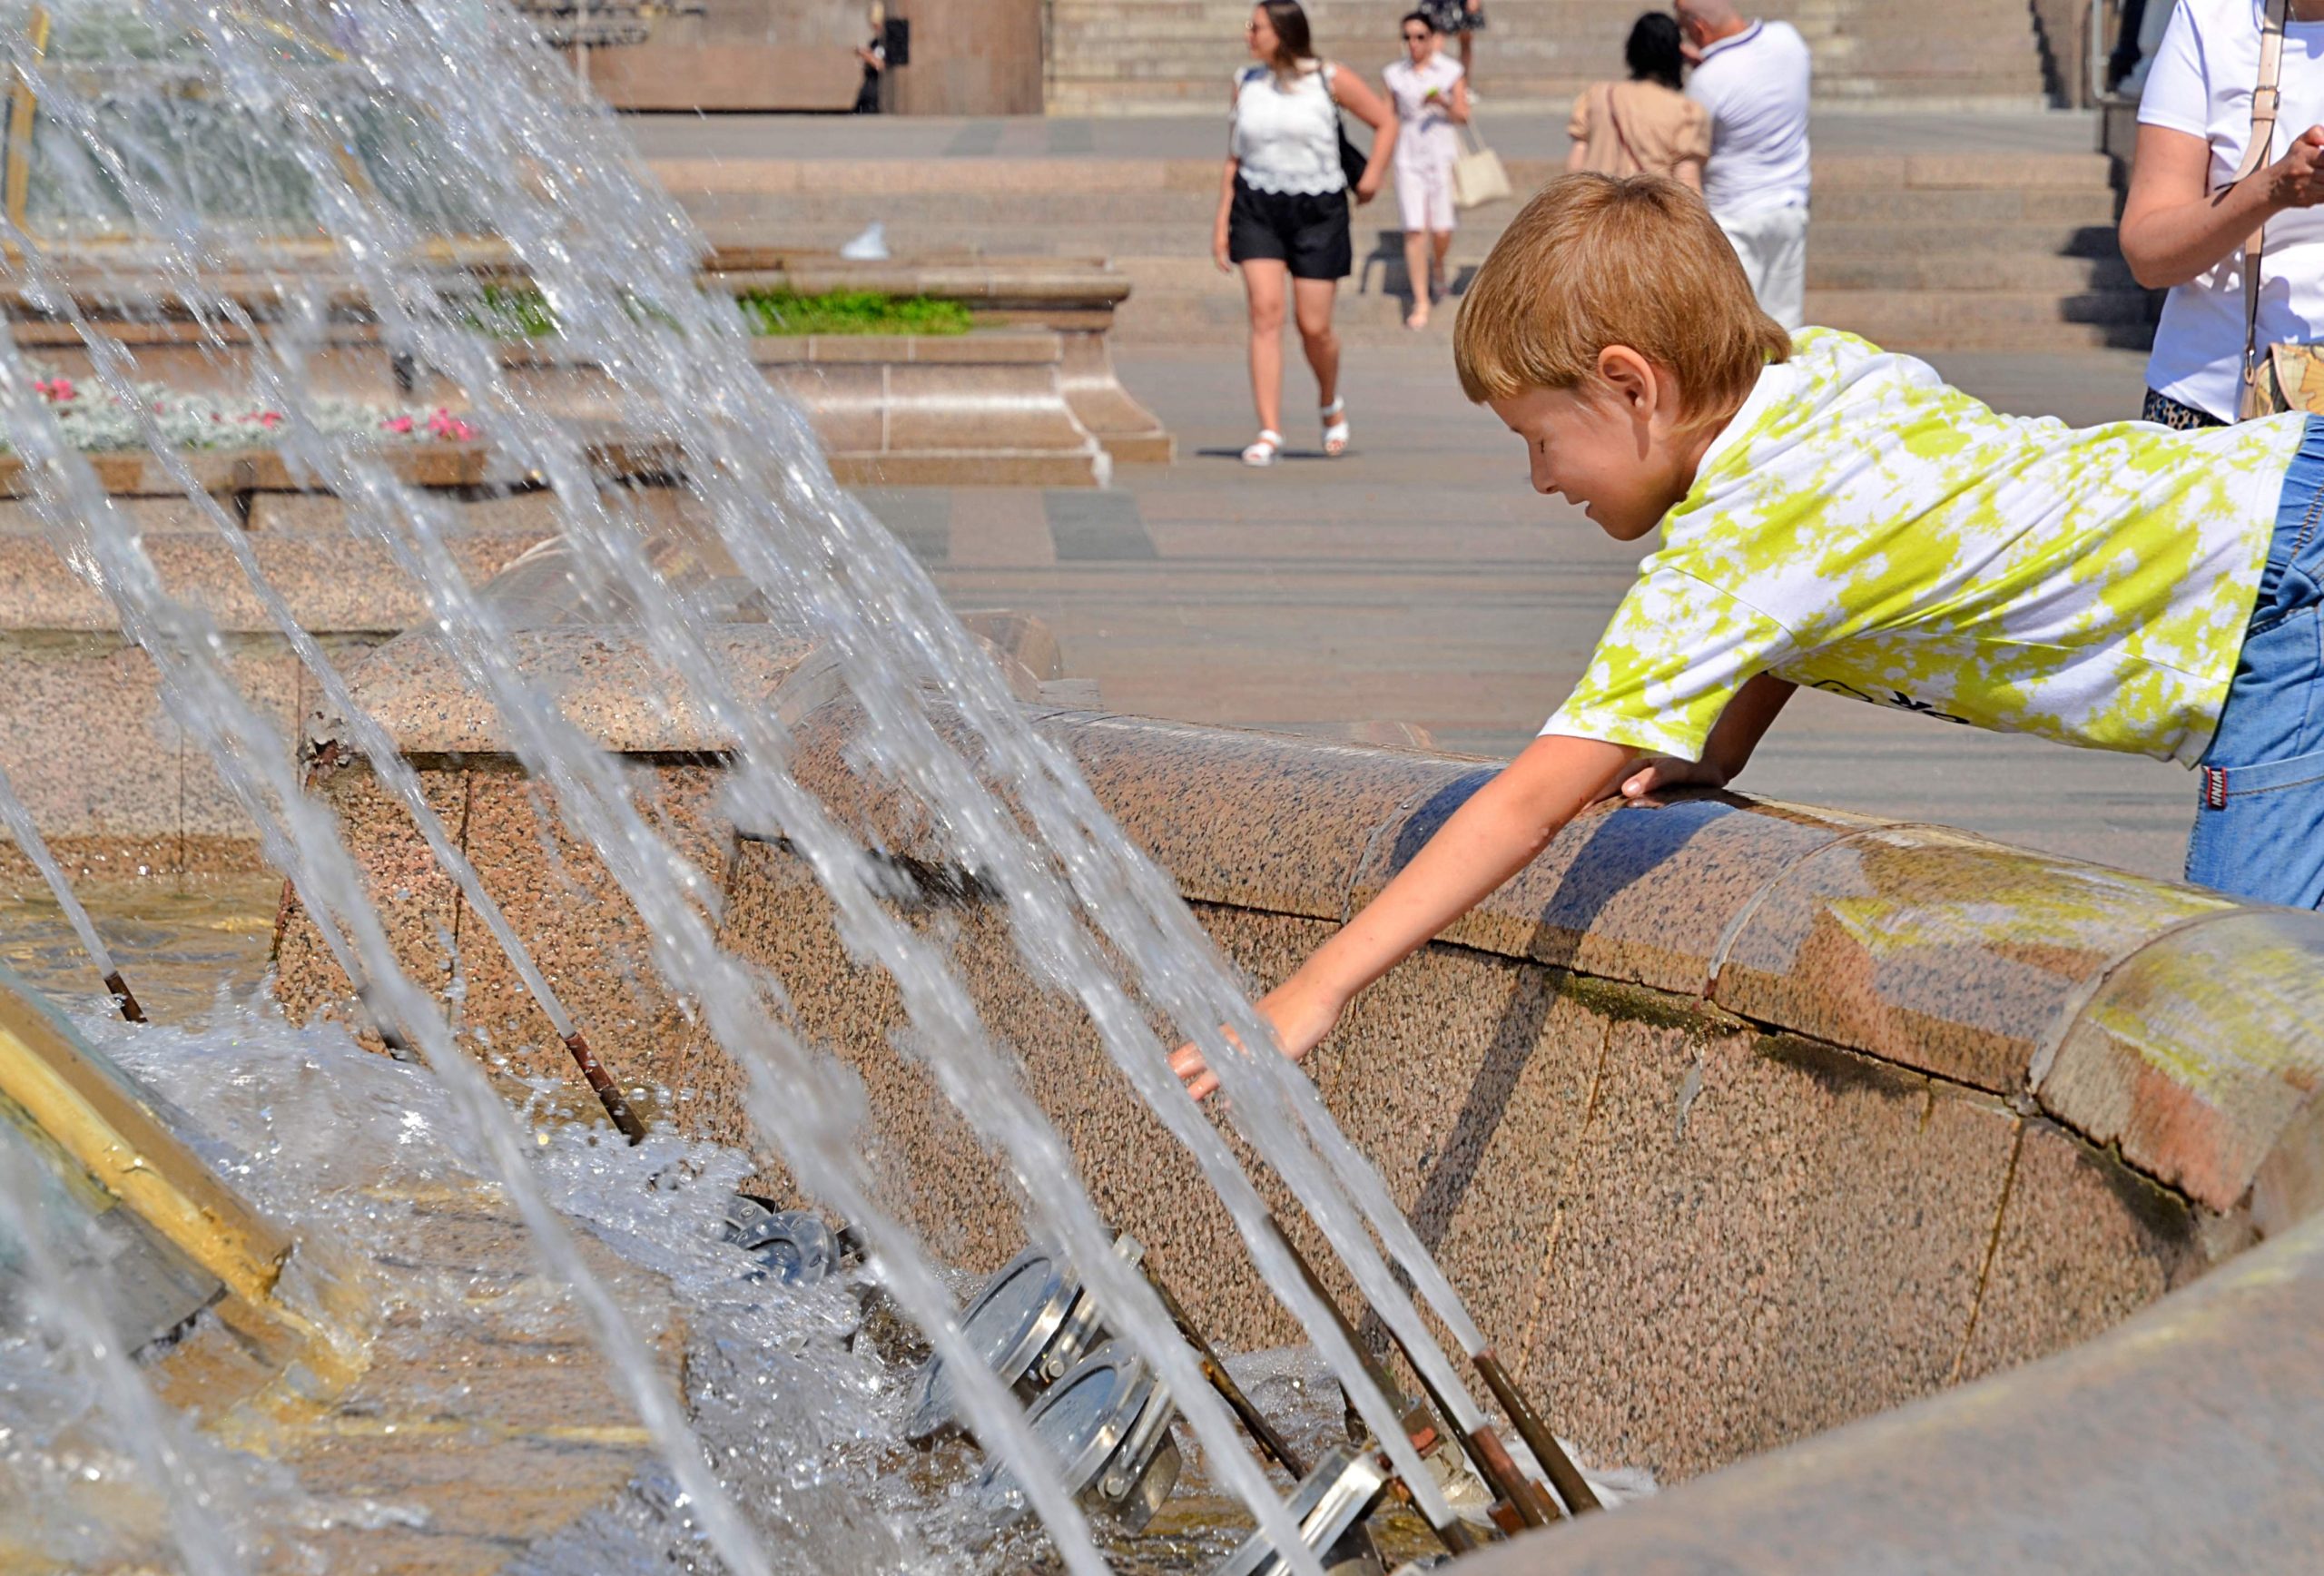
(1646, 126)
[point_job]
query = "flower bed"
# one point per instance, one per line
(94, 420)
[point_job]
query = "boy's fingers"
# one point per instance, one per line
(1186, 1061)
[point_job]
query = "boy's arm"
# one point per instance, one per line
(1499, 830)
(1740, 729)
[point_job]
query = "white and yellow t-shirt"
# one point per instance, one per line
(1862, 527)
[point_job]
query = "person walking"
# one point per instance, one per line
(1647, 126)
(874, 57)
(1431, 95)
(2187, 218)
(1753, 78)
(1283, 209)
(1461, 19)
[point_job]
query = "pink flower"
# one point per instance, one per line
(397, 424)
(269, 419)
(57, 389)
(445, 425)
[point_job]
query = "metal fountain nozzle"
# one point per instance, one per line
(1107, 1425)
(1030, 1323)
(1340, 1492)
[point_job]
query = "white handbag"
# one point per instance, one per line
(1478, 177)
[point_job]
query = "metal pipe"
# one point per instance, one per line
(1487, 1455)
(610, 1093)
(1449, 1531)
(1534, 1505)
(125, 998)
(21, 826)
(1254, 1420)
(1564, 1476)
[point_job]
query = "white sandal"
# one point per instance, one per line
(1264, 451)
(1335, 433)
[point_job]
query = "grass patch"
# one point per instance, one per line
(513, 312)
(851, 311)
(520, 312)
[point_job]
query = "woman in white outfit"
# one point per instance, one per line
(1431, 96)
(2187, 216)
(1283, 209)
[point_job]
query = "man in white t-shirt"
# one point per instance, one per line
(1752, 76)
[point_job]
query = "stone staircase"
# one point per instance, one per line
(1917, 252)
(1114, 58)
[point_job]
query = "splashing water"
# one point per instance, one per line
(505, 148)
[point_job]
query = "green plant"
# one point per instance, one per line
(851, 311)
(513, 312)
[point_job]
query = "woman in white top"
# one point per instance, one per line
(1431, 95)
(1283, 209)
(2183, 225)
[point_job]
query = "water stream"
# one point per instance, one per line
(314, 111)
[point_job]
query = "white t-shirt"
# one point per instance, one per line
(1424, 134)
(1755, 85)
(1861, 527)
(1287, 133)
(2201, 83)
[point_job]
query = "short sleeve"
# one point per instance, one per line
(1692, 144)
(1677, 652)
(2178, 95)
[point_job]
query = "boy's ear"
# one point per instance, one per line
(1632, 380)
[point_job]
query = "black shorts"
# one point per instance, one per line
(1306, 232)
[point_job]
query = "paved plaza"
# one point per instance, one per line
(1419, 580)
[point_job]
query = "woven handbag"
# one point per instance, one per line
(2279, 377)
(1478, 177)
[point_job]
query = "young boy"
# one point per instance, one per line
(1835, 516)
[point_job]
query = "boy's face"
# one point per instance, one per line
(1606, 447)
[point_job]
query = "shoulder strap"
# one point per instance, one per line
(2266, 99)
(1615, 122)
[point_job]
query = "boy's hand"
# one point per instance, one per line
(1298, 1012)
(1659, 771)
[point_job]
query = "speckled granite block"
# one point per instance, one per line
(931, 1166)
(2184, 1441)
(266, 675)
(416, 900)
(1641, 892)
(1465, 1080)
(2083, 1244)
(2199, 1051)
(1760, 1238)
(578, 926)
(89, 747)
(1267, 821)
(1939, 950)
(606, 682)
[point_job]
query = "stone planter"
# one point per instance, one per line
(1028, 398)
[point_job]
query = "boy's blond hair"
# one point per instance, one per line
(1593, 261)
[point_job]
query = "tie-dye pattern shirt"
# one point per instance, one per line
(1862, 527)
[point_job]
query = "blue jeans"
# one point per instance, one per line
(2259, 832)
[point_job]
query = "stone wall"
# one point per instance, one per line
(969, 57)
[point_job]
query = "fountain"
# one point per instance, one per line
(701, 957)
